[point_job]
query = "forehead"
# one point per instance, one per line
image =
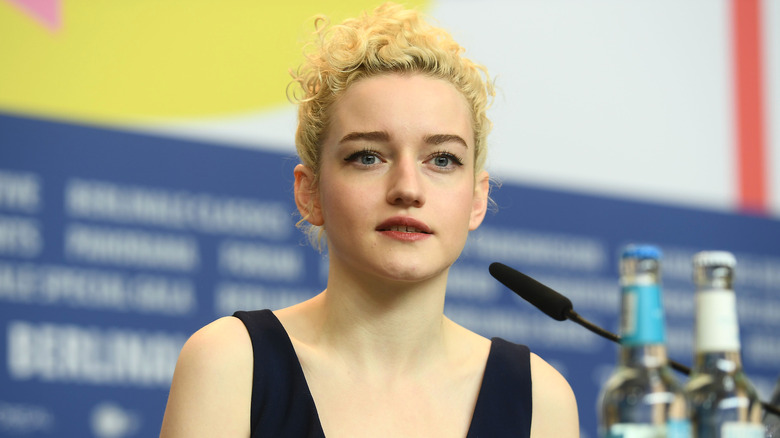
(402, 104)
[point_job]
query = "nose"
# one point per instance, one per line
(405, 185)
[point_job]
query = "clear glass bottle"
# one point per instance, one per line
(642, 399)
(723, 402)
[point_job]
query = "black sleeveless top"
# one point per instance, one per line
(282, 405)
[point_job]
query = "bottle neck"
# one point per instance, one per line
(717, 328)
(643, 356)
(728, 362)
(642, 318)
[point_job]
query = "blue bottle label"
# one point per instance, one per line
(673, 429)
(629, 430)
(678, 428)
(643, 315)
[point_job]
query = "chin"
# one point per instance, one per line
(412, 274)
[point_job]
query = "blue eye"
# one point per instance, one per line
(364, 157)
(441, 161)
(445, 160)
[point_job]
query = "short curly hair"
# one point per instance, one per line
(392, 39)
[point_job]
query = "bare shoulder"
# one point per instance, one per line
(217, 345)
(211, 390)
(554, 405)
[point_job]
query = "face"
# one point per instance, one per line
(397, 192)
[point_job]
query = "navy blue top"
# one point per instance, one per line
(282, 405)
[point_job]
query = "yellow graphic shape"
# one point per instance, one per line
(148, 60)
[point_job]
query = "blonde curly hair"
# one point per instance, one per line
(392, 39)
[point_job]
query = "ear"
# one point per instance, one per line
(480, 202)
(307, 197)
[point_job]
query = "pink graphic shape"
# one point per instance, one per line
(46, 12)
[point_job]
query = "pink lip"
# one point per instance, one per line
(424, 231)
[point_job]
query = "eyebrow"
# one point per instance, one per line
(369, 136)
(435, 139)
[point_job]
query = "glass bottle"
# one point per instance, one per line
(723, 402)
(642, 398)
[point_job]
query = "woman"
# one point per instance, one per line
(392, 132)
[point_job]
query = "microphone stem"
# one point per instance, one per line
(574, 316)
(771, 408)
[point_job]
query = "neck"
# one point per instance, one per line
(383, 324)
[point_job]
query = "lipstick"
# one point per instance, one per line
(405, 229)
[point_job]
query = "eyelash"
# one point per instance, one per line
(363, 152)
(456, 160)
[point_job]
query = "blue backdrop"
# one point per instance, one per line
(116, 246)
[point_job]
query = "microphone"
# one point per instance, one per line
(560, 308)
(555, 305)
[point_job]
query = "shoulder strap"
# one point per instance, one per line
(282, 404)
(504, 405)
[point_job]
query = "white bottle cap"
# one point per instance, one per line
(714, 258)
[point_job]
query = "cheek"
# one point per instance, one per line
(343, 203)
(462, 198)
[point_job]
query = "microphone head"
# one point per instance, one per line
(542, 297)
